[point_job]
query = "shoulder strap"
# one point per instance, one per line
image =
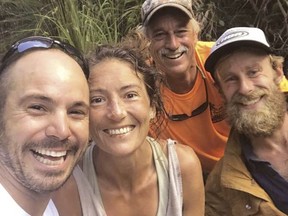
(89, 202)
(89, 171)
(175, 200)
(161, 165)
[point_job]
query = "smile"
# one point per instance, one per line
(173, 56)
(250, 102)
(119, 131)
(49, 157)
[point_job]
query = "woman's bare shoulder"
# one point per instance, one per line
(186, 155)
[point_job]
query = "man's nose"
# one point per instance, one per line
(172, 42)
(59, 126)
(245, 86)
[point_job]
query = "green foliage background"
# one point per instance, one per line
(85, 23)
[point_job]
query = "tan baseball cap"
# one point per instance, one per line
(150, 7)
(234, 38)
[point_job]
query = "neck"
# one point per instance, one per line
(182, 83)
(30, 201)
(277, 141)
(124, 173)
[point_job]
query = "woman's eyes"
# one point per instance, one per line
(100, 100)
(132, 95)
(96, 100)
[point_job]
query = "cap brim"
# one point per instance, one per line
(170, 4)
(213, 58)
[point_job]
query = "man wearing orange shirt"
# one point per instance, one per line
(194, 107)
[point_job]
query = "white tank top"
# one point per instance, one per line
(168, 173)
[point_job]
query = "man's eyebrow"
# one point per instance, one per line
(222, 76)
(252, 66)
(36, 96)
(41, 97)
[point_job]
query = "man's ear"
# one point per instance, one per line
(279, 74)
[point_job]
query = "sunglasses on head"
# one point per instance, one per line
(195, 112)
(40, 42)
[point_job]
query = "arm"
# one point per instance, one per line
(192, 181)
(215, 203)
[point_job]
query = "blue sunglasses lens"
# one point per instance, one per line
(22, 47)
(46, 43)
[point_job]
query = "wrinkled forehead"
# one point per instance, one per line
(241, 50)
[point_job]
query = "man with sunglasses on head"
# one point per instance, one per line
(252, 176)
(194, 108)
(44, 124)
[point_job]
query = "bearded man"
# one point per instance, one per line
(252, 176)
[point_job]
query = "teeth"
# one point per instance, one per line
(49, 157)
(247, 103)
(177, 55)
(119, 131)
(50, 162)
(51, 153)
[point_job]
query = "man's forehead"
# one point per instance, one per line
(44, 59)
(243, 53)
(240, 61)
(39, 69)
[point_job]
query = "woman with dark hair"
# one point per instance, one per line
(130, 172)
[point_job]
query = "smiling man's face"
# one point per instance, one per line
(173, 41)
(45, 120)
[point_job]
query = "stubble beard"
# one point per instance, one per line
(16, 167)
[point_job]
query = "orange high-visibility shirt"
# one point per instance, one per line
(207, 132)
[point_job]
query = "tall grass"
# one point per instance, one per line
(86, 23)
(83, 23)
(17, 20)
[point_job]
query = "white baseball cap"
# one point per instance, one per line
(233, 39)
